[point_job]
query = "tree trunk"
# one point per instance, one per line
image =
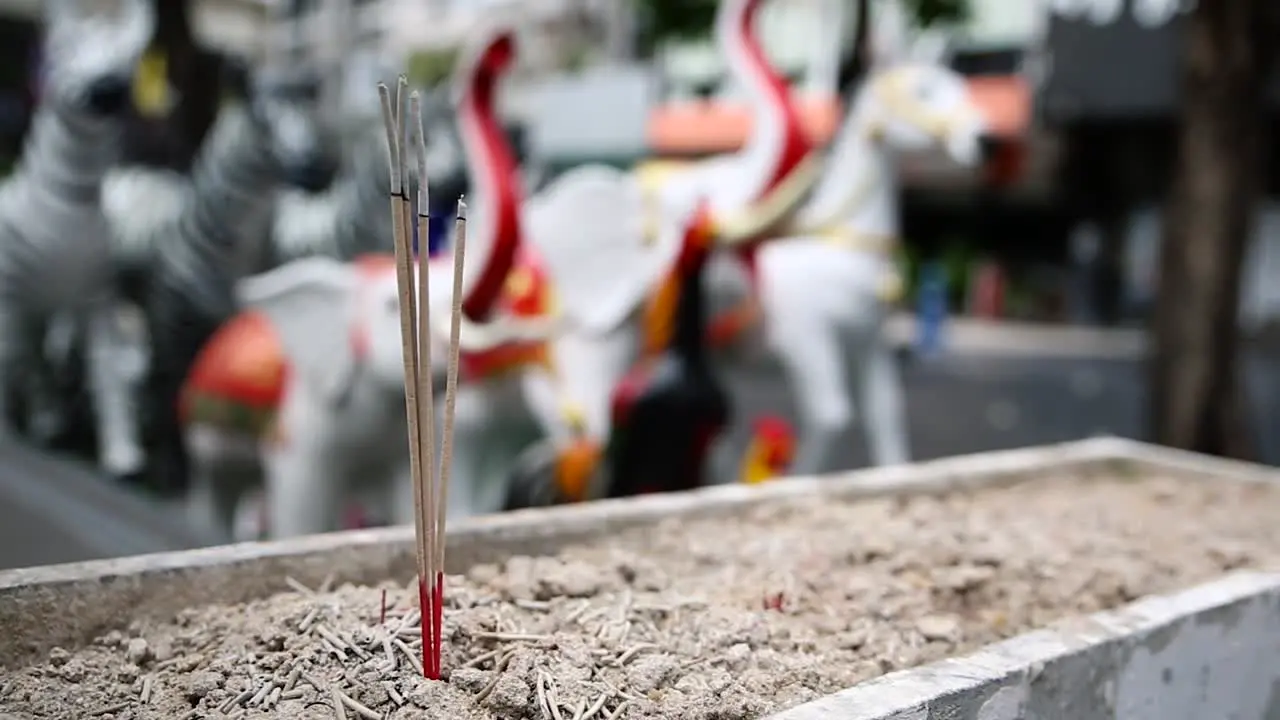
(1196, 398)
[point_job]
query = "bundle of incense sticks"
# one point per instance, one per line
(430, 482)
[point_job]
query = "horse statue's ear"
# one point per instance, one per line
(889, 30)
(931, 47)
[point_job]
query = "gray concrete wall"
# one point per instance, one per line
(69, 604)
(1210, 652)
(54, 510)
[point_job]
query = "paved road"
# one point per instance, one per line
(997, 389)
(971, 403)
(54, 510)
(985, 394)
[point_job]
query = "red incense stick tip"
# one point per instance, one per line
(437, 623)
(430, 669)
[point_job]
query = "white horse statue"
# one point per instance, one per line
(775, 166)
(823, 292)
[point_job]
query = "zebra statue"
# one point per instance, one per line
(136, 200)
(274, 138)
(351, 217)
(144, 204)
(54, 239)
(150, 208)
(139, 201)
(347, 219)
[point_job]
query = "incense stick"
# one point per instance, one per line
(451, 376)
(430, 486)
(426, 396)
(441, 499)
(419, 437)
(391, 110)
(406, 208)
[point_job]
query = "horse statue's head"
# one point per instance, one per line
(911, 100)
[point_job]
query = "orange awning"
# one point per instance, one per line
(692, 128)
(1005, 100)
(688, 128)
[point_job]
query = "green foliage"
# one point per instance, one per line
(578, 57)
(928, 12)
(957, 258)
(675, 19)
(429, 68)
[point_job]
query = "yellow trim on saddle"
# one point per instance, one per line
(892, 287)
(574, 416)
(761, 218)
(651, 176)
(831, 223)
(863, 242)
(652, 216)
(771, 211)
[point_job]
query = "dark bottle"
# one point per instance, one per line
(670, 407)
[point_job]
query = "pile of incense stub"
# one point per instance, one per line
(430, 481)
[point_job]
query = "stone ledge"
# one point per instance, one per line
(67, 605)
(1211, 651)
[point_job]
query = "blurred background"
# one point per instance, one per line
(1048, 295)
